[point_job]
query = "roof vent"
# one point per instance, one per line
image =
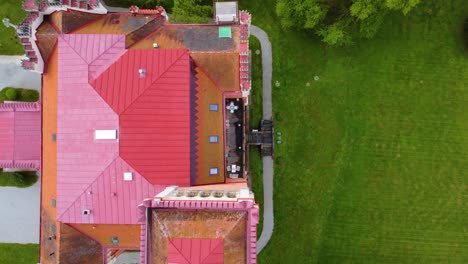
(128, 176)
(86, 212)
(115, 240)
(155, 45)
(142, 72)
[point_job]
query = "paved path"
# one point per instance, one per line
(12, 74)
(268, 217)
(19, 214)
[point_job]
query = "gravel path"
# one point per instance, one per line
(268, 218)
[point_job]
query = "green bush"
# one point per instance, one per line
(18, 94)
(11, 94)
(191, 11)
(28, 95)
(20, 179)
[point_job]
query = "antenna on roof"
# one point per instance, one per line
(142, 73)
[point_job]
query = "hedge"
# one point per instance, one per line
(18, 94)
(21, 179)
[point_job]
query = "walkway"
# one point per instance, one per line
(19, 214)
(13, 75)
(268, 217)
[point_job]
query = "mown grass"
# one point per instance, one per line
(9, 43)
(21, 179)
(19, 253)
(372, 168)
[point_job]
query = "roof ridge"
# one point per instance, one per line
(149, 35)
(234, 226)
(74, 50)
(104, 52)
(179, 250)
(91, 183)
(219, 241)
(155, 81)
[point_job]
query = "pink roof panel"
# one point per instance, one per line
(195, 251)
(94, 87)
(20, 135)
(80, 159)
(27, 136)
(7, 138)
(110, 198)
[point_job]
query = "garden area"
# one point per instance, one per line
(372, 165)
(9, 43)
(19, 253)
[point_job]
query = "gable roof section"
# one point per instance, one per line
(7, 135)
(154, 112)
(195, 251)
(111, 199)
(20, 135)
(151, 114)
(120, 85)
(90, 46)
(80, 160)
(193, 234)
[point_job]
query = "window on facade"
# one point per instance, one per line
(214, 139)
(214, 107)
(213, 171)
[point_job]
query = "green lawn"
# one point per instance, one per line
(373, 164)
(9, 43)
(19, 253)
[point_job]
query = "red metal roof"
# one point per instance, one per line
(195, 251)
(120, 85)
(154, 112)
(102, 89)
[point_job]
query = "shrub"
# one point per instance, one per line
(2, 97)
(28, 95)
(20, 179)
(11, 94)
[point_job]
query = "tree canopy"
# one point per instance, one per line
(338, 22)
(191, 11)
